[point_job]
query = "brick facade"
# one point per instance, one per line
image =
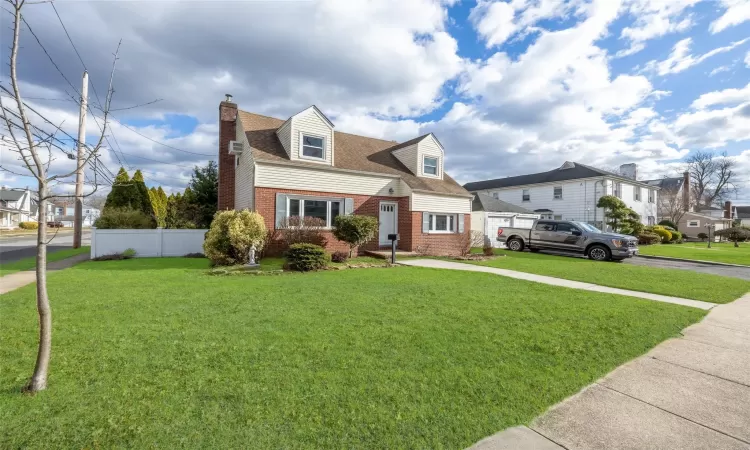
(227, 132)
(409, 223)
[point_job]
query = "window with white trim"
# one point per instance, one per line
(430, 165)
(693, 223)
(557, 193)
(526, 195)
(320, 208)
(313, 147)
(637, 193)
(618, 190)
(442, 223)
(651, 196)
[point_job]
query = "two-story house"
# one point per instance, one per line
(572, 191)
(302, 166)
(16, 205)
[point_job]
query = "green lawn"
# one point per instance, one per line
(30, 263)
(674, 282)
(719, 252)
(160, 354)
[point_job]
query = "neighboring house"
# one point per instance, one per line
(64, 211)
(16, 205)
(302, 166)
(693, 223)
(572, 191)
(488, 214)
(672, 197)
(742, 213)
(712, 211)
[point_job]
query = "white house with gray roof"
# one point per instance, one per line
(571, 192)
(16, 205)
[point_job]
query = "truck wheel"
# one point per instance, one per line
(599, 253)
(515, 244)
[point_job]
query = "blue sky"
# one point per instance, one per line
(508, 86)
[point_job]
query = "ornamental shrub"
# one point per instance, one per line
(676, 236)
(355, 230)
(668, 223)
(306, 257)
(339, 257)
(28, 225)
(665, 234)
(302, 230)
(232, 235)
(702, 236)
(123, 218)
(648, 238)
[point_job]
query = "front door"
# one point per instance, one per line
(388, 221)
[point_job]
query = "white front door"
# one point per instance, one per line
(388, 221)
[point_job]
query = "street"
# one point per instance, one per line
(18, 247)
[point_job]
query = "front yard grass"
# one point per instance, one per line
(673, 282)
(159, 354)
(724, 252)
(30, 262)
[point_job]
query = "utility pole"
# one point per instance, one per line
(78, 219)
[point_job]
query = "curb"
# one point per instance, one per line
(697, 261)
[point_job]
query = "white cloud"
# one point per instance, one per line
(713, 128)
(654, 19)
(747, 59)
(681, 59)
(736, 12)
(719, 70)
(724, 97)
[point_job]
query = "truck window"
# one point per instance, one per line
(566, 228)
(545, 226)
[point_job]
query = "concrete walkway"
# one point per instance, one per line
(440, 264)
(20, 279)
(687, 393)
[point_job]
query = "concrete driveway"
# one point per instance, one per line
(14, 248)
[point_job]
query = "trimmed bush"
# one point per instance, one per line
(123, 218)
(302, 230)
(665, 234)
(127, 254)
(306, 257)
(355, 230)
(668, 223)
(676, 236)
(702, 236)
(339, 257)
(28, 225)
(488, 250)
(648, 238)
(231, 236)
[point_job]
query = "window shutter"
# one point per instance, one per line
(280, 209)
(425, 222)
(460, 223)
(348, 206)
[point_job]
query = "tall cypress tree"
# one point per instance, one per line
(124, 194)
(143, 201)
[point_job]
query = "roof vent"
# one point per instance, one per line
(235, 148)
(567, 165)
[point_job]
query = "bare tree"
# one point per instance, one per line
(30, 141)
(713, 177)
(671, 203)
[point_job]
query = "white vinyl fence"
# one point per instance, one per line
(147, 243)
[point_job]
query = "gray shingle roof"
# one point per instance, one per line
(743, 212)
(484, 202)
(11, 195)
(568, 171)
(666, 183)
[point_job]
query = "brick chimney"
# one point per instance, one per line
(686, 191)
(227, 132)
(727, 209)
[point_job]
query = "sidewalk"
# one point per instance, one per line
(20, 279)
(440, 264)
(692, 392)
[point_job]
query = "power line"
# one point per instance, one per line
(160, 143)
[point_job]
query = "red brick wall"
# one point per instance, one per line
(227, 132)
(409, 223)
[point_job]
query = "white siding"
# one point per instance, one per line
(309, 121)
(322, 180)
(440, 203)
(285, 136)
(409, 156)
(578, 200)
(430, 147)
(244, 172)
(477, 221)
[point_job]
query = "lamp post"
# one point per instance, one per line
(709, 227)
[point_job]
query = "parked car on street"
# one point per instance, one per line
(55, 224)
(569, 236)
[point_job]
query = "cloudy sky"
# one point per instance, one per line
(509, 87)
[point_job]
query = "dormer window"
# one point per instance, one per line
(313, 147)
(430, 166)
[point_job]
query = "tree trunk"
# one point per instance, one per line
(38, 380)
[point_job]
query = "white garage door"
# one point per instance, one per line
(493, 223)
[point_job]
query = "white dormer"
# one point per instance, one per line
(308, 136)
(423, 156)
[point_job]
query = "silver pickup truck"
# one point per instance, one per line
(568, 236)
